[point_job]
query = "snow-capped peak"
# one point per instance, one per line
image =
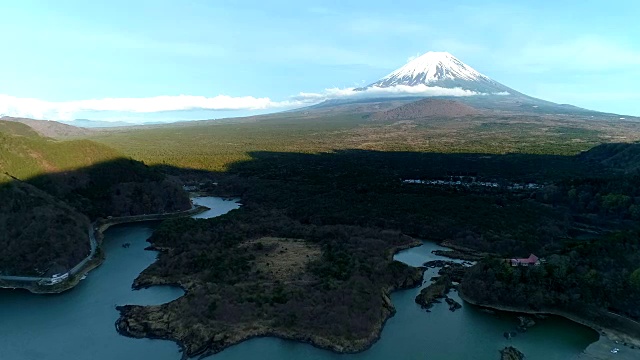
(439, 70)
(430, 68)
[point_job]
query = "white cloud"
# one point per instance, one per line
(398, 90)
(65, 110)
(68, 110)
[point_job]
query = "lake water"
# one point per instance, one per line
(79, 324)
(216, 205)
(413, 333)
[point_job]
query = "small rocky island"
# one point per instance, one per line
(511, 353)
(451, 273)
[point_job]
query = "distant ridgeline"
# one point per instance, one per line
(25, 154)
(50, 189)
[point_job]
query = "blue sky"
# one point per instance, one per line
(140, 60)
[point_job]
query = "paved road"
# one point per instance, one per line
(22, 278)
(93, 245)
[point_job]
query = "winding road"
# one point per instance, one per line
(94, 246)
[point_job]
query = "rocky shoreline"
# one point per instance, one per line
(456, 254)
(100, 227)
(460, 252)
(608, 338)
(511, 353)
(219, 342)
(621, 341)
(63, 286)
(126, 326)
(451, 274)
(104, 225)
(602, 350)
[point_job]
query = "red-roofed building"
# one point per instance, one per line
(530, 261)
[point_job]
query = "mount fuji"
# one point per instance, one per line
(441, 69)
(441, 75)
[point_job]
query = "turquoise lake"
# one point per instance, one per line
(79, 324)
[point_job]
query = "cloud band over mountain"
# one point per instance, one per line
(68, 110)
(65, 110)
(431, 74)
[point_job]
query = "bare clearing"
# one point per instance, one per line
(284, 259)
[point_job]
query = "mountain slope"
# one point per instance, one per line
(441, 69)
(16, 128)
(440, 74)
(49, 189)
(50, 128)
(432, 107)
(24, 154)
(619, 156)
(90, 124)
(91, 177)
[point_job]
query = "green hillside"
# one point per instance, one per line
(24, 154)
(216, 145)
(50, 189)
(619, 156)
(14, 128)
(91, 177)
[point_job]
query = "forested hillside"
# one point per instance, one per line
(618, 156)
(48, 128)
(91, 177)
(217, 145)
(25, 154)
(120, 187)
(590, 279)
(50, 189)
(39, 235)
(14, 128)
(354, 206)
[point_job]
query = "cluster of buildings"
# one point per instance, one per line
(473, 182)
(451, 183)
(197, 186)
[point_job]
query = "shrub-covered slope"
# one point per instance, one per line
(39, 235)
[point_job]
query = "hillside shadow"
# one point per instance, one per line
(347, 187)
(365, 188)
(123, 186)
(354, 206)
(369, 165)
(119, 187)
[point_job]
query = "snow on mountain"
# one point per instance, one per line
(443, 70)
(440, 74)
(432, 67)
